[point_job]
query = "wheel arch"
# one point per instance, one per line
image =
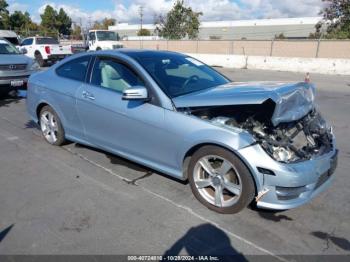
(38, 109)
(42, 104)
(187, 158)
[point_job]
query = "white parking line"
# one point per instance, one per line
(12, 138)
(189, 210)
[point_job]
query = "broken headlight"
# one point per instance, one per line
(282, 154)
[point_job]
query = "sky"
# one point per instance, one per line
(213, 10)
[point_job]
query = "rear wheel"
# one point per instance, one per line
(51, 126)
(220, 181)
(39, 59)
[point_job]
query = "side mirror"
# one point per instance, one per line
(135, 93)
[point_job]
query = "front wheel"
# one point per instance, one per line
(220, 181)
(51, 126)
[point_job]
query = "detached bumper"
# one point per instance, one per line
(287, 186)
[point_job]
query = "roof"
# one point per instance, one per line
(94, 30)
(7, 33)
(140, 52)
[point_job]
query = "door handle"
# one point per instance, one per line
(88, 95)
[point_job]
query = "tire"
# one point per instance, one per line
(98, 48)
(40, 60)
(52, 129)
(212, 170)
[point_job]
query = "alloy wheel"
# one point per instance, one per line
(217, 181)
(49, 126)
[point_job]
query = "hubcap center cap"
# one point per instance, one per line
(216, 181)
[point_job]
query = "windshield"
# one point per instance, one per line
(7, 48)
(179, 75)
(46, 41)
(107, 36)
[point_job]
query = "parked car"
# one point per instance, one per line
(103, 40)
(10, 36)
(45, 50)
(234, 142)
(15, 68)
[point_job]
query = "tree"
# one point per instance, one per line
(336, 18)
(64, 22)
(19, 20)
(281, 36)
(143, 32)
(215, 37)
(108, 22)
(49, 18)
(4, 15)
(104, 24)
(77, 32)
(180, 22)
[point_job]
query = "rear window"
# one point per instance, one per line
(12, 40)
(46, 41)
(74, 69)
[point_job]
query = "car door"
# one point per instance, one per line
(27, 45)
(133, 128)
(66, 83)
(92, 40)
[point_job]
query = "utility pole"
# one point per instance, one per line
(141, 21)
(89, 22)
(82, 30)
(141, 16)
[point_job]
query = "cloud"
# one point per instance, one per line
(290, 8)
(78, 14)
(14, 6)
(211, 9)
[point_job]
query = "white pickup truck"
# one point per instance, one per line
(46, 50)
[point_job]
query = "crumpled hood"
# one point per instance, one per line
(293, 100)
(14, 59)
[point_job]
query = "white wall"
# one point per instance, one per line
(303, 65)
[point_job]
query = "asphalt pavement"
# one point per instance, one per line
(78, 200)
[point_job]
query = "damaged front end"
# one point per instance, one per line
(292, 155)
(287, 142)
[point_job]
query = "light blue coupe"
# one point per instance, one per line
(234, 142)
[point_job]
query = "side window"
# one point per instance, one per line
(27, 41)
(110, 74)
(92, 36)
(74, 69)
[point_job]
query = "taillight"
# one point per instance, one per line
(47, 50)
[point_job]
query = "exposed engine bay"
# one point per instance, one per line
(288, 142)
